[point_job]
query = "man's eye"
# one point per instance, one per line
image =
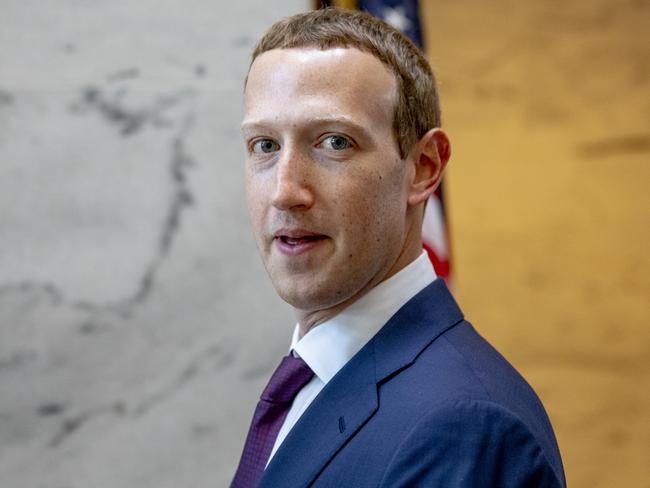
(337, 143)
(265, 146)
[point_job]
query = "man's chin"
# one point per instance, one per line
(309, 297)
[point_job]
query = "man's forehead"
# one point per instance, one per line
(321, 68)
(344, 81)
(308, 53)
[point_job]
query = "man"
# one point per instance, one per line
(386, 384)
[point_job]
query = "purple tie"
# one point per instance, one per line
(275, 402)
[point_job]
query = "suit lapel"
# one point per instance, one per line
(336, 414)
(350, 399)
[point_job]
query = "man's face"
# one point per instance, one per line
(327, 190)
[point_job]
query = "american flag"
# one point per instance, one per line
(404, 15)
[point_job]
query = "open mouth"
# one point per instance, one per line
(297, 241)
(294, 242)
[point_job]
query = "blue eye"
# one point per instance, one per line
(265, 146)
(337, 143)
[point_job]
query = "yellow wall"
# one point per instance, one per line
(548, 108)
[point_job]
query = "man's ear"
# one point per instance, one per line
(432, 153)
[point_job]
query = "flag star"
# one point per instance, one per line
(397, 18)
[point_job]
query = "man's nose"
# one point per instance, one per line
(293, 182)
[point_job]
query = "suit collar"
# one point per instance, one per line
(328, 347)
(427, 315)
(351, 397)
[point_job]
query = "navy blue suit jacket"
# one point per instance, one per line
(426, 403)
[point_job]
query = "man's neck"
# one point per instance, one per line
(307, 320)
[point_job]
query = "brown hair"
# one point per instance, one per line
(417, 109)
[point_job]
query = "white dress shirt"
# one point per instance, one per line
(329, 346)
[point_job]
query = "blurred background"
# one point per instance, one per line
(137, 325)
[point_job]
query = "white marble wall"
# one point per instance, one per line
(136, 322)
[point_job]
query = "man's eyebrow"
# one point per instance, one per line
(248, 125)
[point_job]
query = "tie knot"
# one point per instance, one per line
(287, 380)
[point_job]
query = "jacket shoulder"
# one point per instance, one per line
(459, 375)
(469, 443)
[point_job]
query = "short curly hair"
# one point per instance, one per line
(418, 107)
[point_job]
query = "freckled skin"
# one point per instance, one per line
(365, 198)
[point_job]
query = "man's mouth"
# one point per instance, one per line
(297, 241)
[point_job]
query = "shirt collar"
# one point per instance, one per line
(329, 346)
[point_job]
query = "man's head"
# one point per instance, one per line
(417, 108)
(336, 203)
